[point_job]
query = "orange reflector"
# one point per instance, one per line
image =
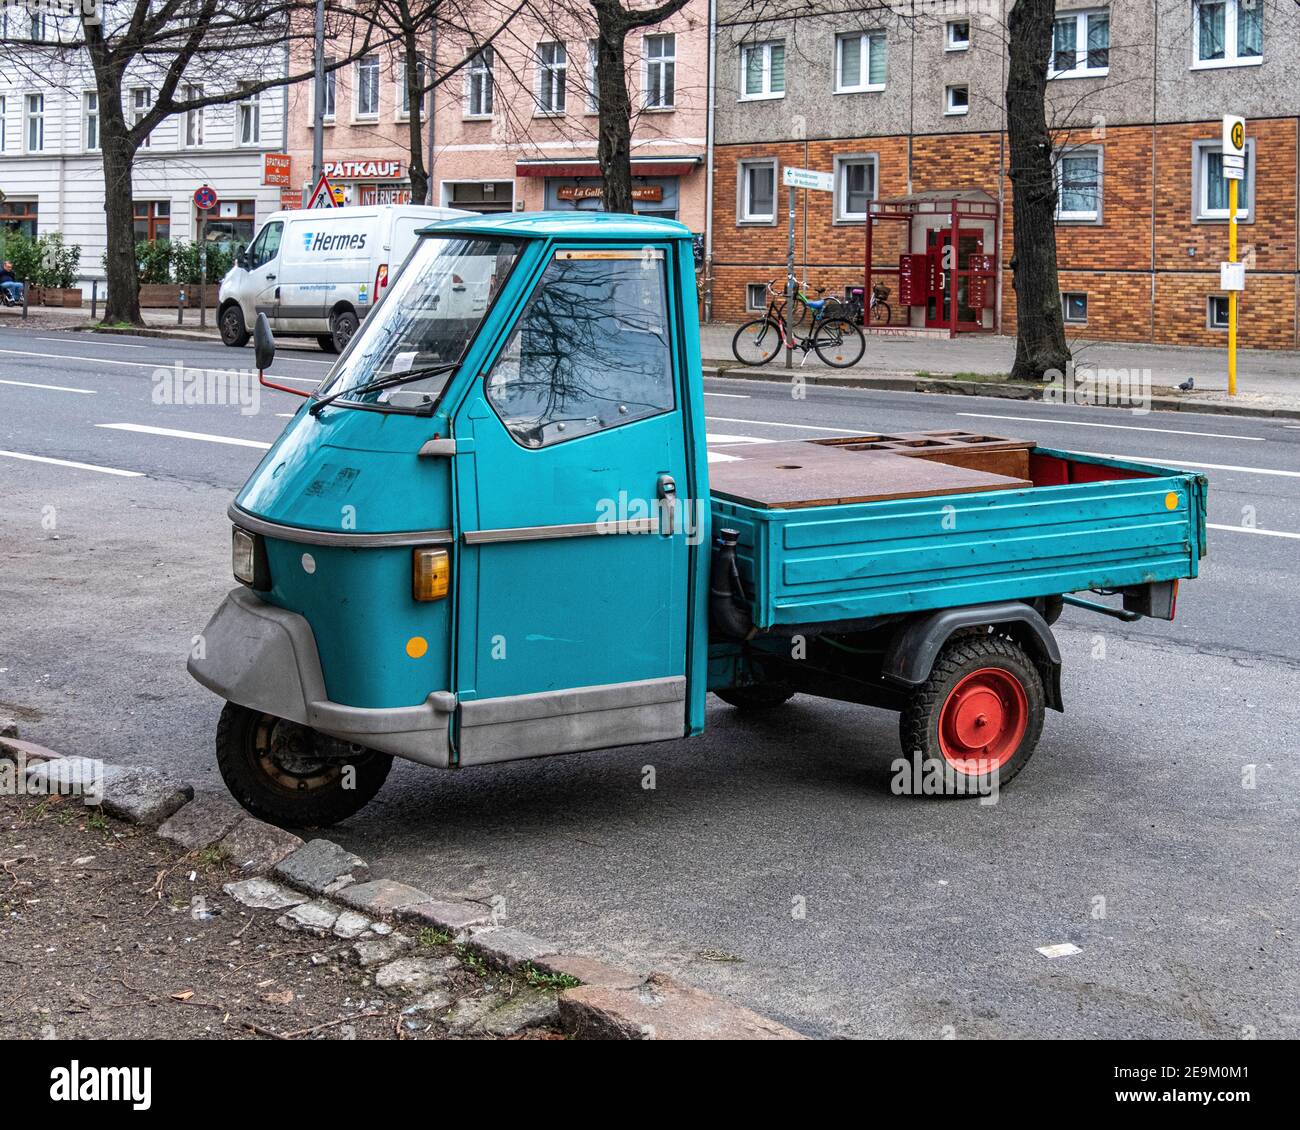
(430, 574)
(1171, 501)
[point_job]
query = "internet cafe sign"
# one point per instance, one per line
(363, 170)
(646, 193)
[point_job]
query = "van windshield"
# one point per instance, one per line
(426, 321)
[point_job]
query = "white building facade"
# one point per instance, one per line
(51, 173)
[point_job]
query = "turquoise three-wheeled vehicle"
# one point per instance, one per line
(496, 531)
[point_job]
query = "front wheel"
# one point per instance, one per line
(881, 313)
(233, 330)
(757, 342)
(326, 342)
(975, 721)
(839, 342)
(342, 326)
(291, 775)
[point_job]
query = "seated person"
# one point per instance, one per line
(12, 288)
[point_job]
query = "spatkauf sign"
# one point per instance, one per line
(363, 170)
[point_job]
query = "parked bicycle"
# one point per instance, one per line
(833, 336)
(824, 306)
(879, 310)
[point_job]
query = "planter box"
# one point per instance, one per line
(155, 296)
(61, 296)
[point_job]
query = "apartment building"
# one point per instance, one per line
(514, 128)
(904, 104)
(51, 173)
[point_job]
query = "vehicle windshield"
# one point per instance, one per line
(426, 321)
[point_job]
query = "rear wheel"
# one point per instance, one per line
(233, 330)
(978, 717)
(881, 313)
(291, 775)
(757, 342)
(343, 325)
(758, 696)
(839, 342)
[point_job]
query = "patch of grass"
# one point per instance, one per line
(992, 378)
(472, 961)
(719, 955)
(115, 325)
(431, 936)
(97, 821)
(211, 856)
(539, 980)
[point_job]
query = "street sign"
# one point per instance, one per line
(1234, 136)
(205, 197)
(1234, 168)
(808, 178)
(322, 196)
(1232, 276)
(276, 169)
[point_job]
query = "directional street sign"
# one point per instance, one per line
(808, 178)
(205, 197)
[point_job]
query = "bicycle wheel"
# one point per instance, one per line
(757, 342)
(881, 313)
(839, 342)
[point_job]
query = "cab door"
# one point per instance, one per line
(263, 272)
(572, 588)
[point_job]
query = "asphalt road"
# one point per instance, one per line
(1130, 834)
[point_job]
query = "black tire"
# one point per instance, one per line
(881, 313)
(343, 324)
(233, 330)
(293, 787)
(920, 724)
(757, 342)
(326, 342)
(757, 696)
(839, 342)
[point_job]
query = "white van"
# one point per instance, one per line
(318, 272)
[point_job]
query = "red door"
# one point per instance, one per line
(951, 269)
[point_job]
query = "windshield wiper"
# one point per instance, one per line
(390, 381)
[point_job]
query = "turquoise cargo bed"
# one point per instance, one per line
(1086, 522)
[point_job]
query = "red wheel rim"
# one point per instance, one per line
(983, 721)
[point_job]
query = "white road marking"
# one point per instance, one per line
(1253, 530)
(719, 437)
(147, 364)
(730, 395)
(1120, 427)
(774, 424)
(110, 344)
(1170, 461)
(52, 388)
(70, 463)
(719, 457)
(175, 433)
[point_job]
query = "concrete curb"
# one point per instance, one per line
(901, 382)
(338, 896)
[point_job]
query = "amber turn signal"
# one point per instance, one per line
(430, 574)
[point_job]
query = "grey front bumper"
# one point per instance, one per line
(265, 658)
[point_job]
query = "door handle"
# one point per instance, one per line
(270, 278)
(666, 490)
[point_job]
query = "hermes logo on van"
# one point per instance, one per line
(323, 241)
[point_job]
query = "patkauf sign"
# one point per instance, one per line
(363, 170)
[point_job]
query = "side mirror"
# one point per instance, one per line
(263, 343)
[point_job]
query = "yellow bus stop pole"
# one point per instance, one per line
(1232, 294)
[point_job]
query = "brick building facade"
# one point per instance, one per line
(1136, 125)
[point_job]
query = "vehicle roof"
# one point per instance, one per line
(568, 225)
(351, 211)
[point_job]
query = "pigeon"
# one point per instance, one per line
(1188, 384)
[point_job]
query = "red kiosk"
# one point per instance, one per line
(948, 270)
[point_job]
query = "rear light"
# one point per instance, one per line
(430, 574)
(381, 279)
(248, 560)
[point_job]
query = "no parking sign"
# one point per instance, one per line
(205, 197)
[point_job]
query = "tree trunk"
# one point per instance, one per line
(614, 143)
(123, 301)
(1040, 325)
(415, 80)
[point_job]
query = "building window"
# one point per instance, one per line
(35, 132)
(1227, 33)
(859, 62)
(660, 71)
(593, 77)
(231, 224)
(368, 87)
(855, 187)
(1210, 188)
(957, 36)
(331, 90)
(552, 77)
(762, 71)
(141, 103)
(18, 216)
(1216, 312)
(90, 133)
(757, 183)
(404, 94)
(756, 296)
(193, 119)
(1074, 306)
(39, 28)
(479, 85)
(153, 220)
(3, 131)
(1078, 186)
(956, 99)
(1080, 44)
(250, 117)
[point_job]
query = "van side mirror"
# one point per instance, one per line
(263, 343)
